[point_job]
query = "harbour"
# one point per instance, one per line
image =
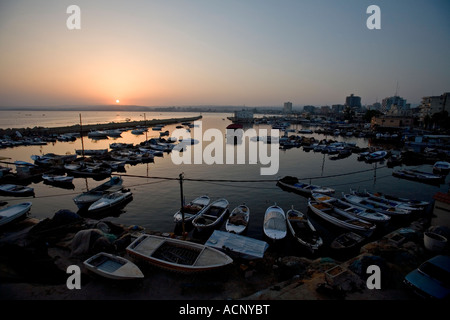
(159, 186)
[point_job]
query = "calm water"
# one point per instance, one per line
(155, 201)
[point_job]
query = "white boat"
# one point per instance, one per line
(274, 226)
(238, 219)
(340, 218)
(303, 231)
(359, 212)
(16, 190)
(57, 178)
(388, 202)
(113, 267)
(293, 184)
(385, 209)
(441, 167)
(177, 255)
(191, 210)
(85, 199)
(14, 212)
(410, 202)
(110, 201)
(376, 156)
(212, 216)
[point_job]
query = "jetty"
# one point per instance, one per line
(85, 129)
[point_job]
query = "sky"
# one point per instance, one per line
(221, 52)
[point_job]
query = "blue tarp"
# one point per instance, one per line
(246, 247)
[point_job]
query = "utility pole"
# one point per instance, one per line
(182, 205)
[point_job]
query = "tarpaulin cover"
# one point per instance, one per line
(247, 247)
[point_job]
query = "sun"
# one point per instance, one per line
(117, 101)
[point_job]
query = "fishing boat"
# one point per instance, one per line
(303, 230)
(54, 178)
(410, 202)
(113, 267)
(380, 207)
(191, 210)
(441, 167)
(359, 212)
(238, 219)
(14, 212)
(212, 216)
(376, 156)
(419, 176)
(177, 255)
(15, 190)
(274, 226)
(293, 184)
(341, 218)
(347, 241)
(91, 152)
(110, 201)
(85, 199)
(392, 203)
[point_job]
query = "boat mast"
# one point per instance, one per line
(81, 135)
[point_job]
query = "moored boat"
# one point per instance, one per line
(274, 226)
(388, 202)
(212, 216)
(293, 184)
(340, 218)
(303, 230)
(16, 190)
(191, 210)
(359, 212)
(380, 207)
(419, 176)
(113, 267)
(177, 255)
(110, 201)
(14, 212)
(238, 219)
(441, 167)
(410, 202)
(53, 178)
(376, 156)
(85, 199)
(347, 241)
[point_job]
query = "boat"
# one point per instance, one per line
(16, 190)
(14, 212)
(359, 212)
(376, 156)
(91, 152)
(380, 207)
(53, 178)
(293, 184)
(419, 176)
(177, 255)
(274, 226)
(110, 201)
(113, 267)
(85, 199)
(191, 210)
(410, 202)
(441, 167)
(341, 218)
(347, 241)
(238, 219)
(392, 203)
(303, 230)
(212, 216)
(98, 134)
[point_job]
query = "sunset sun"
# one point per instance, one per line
(117, 101)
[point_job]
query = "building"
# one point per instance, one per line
(287, 107)
(310, 109)
(392, 121)
(242, 116)
(353, 102)
(434, 104)
(337, 108)
(325, 109)
(374, 106)
(388, 102)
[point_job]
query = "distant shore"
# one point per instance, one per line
(85, 129)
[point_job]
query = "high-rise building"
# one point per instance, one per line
(434, 104)
(388, 102)
(352, 101)
(287, 107)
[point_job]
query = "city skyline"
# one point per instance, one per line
(221, 53)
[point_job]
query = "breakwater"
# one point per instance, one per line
(85, 129)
